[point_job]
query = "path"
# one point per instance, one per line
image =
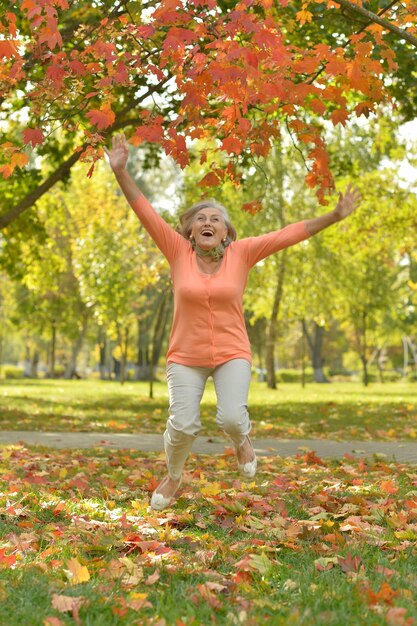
(393, 450)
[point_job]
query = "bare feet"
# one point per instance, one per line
(164, 493)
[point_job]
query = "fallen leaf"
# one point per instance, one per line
(76, 572)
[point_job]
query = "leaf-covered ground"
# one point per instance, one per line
(335, 411)
(307, 542)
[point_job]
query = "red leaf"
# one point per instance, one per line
(210, 180)
(252, 207)
(232, 145)
(55, 72)
(350, 563)
(77, 68)
(33, 136)
(339, 116)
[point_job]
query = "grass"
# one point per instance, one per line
(338, 410)
(309, 542)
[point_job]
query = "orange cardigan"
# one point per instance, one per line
(208, 327)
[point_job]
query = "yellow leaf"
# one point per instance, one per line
(63, 472)
(212, 489)
(76, 572)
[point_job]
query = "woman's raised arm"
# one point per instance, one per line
(347, 203)
(165, 237)
(118, 156)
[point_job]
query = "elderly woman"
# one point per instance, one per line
(209, 270)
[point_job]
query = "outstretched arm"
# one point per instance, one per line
(165, 237)
(118, 156)
(347, 203)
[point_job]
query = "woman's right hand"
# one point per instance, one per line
(119, 153)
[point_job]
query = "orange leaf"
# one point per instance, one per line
(385, 594)
(6, 170)
(304, 16)
(19, 159)
(101, 118)
(388, 486)
(8, 48)
(339, 116)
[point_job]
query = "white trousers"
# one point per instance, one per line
(186, 387)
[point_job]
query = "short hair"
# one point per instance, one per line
(187, 218)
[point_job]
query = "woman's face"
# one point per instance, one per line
(208, 228)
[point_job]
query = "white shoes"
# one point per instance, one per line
(160, 502)
(248, 470)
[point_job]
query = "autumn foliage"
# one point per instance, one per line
(184, 71)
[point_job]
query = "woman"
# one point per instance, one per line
(209, 269)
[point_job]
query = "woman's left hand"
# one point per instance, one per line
(348, 202)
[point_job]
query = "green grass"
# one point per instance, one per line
(309, 542)
(338, 410)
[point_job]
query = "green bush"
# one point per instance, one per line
(11, 371)
(294, 376)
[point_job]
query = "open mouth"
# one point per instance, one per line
(207, 233)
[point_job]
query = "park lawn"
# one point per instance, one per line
(307, 542)
(337, 411)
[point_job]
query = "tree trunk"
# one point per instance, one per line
(71, 369)
(364, 350)
(34, 363)
(315, 344)
(271, 333)
(1, 352)
(380, 363)
(102, 346)
(53, 352)
(124, 344)
(158, 336)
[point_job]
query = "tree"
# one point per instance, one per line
(178, 71)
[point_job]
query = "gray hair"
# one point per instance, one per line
(187, 218)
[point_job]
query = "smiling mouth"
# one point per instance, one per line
(207, 233)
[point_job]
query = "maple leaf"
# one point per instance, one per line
(8, 48)
(210, 180)
(396, 616)
(304, 16)
(349, 563)
(252, 207)
(76, 572)
(339, 116)
(209, 596)
(324, 564)
(385, 594)
(388, 486)
(102, 118)
(232, 145)
(33, 136)
(68, 604)
(56, 72)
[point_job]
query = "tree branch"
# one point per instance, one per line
(61, 171)
(373, 17)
